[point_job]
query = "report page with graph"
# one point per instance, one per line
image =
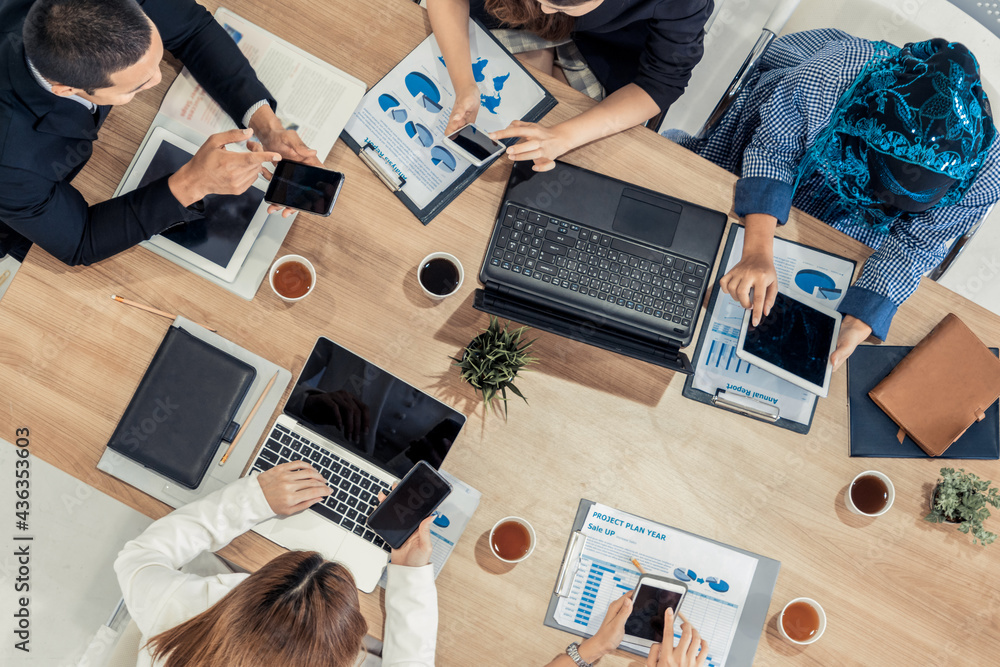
(718, 577)
(810, 275)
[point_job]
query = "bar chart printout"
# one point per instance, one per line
(718, 578)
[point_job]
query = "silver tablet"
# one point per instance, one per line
(220, 241)
(794, 341)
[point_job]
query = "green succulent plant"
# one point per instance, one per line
(492, 360)
(962, 498)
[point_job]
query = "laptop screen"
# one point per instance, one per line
(371, 413)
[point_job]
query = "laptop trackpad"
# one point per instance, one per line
(647, 217)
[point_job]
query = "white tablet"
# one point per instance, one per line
(218, 242)
(794, 341)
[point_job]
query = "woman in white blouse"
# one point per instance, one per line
(298, 609)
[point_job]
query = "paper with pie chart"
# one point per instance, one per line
(404, 115)
(718, 577)
(807, 274)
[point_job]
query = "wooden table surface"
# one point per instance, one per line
(896, 590)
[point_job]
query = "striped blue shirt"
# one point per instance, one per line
(765, 134)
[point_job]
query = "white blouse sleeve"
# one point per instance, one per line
(148, 567)
(411, 617)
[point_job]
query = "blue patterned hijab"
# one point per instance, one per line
(909, 134)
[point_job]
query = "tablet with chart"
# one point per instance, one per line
(719, 578)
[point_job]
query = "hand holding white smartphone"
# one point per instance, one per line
(474, 145)
(653, 596)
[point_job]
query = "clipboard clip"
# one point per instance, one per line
(570, 560)
(746, 406)
(370, 156)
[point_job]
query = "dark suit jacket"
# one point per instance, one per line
(46, 140)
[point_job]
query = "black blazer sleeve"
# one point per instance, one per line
(54, 215)
(674, 45)
(197, 40)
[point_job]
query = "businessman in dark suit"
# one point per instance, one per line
(63, 65)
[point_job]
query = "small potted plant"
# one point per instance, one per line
(962, 498)
(492, 360)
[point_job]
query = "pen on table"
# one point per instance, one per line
(155, 311)
(4, 276)
(256, 406)
(642, 571)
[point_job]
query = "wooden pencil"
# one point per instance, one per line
(253, 412)
(155, 311)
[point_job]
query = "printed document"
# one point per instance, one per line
(810, 275)
(718, 577)
(405, 114)
(314, 98)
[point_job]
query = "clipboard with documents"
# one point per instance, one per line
(398, 129)
(724, 380)
(729, 589)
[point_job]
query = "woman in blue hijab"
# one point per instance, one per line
(894, 147)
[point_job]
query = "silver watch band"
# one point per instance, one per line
(573, 651)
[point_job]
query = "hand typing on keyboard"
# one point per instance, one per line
(416, 551)
(292, 487)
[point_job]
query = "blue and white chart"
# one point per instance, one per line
(405, 114)
(807, 274)
(718, 577)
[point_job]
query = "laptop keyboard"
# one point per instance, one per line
(602, 266)
(355, 491)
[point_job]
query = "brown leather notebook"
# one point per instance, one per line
(941, 387)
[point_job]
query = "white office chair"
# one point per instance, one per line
(733, 31)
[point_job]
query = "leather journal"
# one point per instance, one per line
(183, 408)
(873, 433)
(943, 386)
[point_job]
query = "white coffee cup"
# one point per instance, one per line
(440, 255)
(531, 538)
(888, 485)
(292, 258)
(822, 621)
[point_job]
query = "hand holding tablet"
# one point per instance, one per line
(793, 341)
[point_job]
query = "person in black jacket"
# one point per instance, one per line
(641, 51)
(63, 65)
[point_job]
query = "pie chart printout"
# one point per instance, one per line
(818, 284)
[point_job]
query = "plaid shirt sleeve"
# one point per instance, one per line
(790, 118)
(915, 246)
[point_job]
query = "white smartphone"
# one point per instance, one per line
(653, 596)
(474, 145)
(794, 341)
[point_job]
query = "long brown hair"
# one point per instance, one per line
(298, 610)
(528, 15)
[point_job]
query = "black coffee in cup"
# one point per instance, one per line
(439, 276)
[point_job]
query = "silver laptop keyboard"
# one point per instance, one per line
(599, 265)
(355, 491)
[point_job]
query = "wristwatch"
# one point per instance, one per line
(573, 651)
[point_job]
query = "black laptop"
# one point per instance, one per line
(601, 261)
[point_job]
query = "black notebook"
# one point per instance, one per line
(183, 409)
(873, 433)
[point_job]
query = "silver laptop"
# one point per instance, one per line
(362, 429)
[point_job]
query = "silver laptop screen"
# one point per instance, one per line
(370, 412)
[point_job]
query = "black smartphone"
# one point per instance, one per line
(653, 596)
(304, 187)
(414, 498)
